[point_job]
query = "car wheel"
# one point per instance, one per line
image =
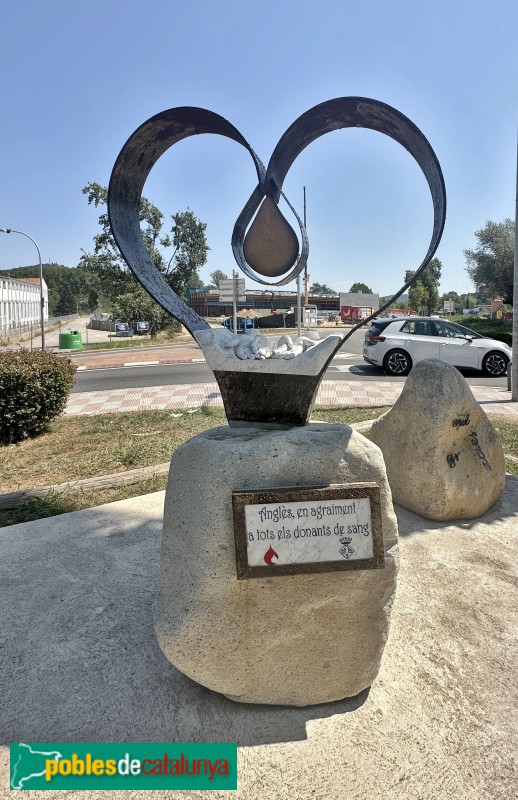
(397, 362)
(495, 364)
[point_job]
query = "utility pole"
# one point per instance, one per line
(514, 368)
(306, 276)
(234, 299)
(299, 309)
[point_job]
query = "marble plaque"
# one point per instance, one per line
(310, 529)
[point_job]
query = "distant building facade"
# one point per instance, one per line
(207, 304)
(20, 303)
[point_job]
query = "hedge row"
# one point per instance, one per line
(34, 388)
(499, 329)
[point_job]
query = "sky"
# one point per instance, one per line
(79, 78)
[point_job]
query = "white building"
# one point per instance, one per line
(20, 303)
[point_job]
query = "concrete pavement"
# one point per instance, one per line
(81, 663)
(52, 337)
(331, 393)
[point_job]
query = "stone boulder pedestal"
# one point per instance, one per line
(289, 639)
(444, 458)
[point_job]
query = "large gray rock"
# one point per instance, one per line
(293, 640)
(444, 458)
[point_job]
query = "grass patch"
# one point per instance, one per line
(63, 502)
(119, 344)
(89, 446)
(347, 415)
(138, 341)
(123, 342)
(83, 447)
(508, 431)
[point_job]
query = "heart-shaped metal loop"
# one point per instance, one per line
(158, 134)
(259, 391)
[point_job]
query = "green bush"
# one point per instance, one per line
(499, 329)
(34, 388)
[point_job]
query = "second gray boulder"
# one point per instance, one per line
(443, 456)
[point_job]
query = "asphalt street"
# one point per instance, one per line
(348, 365)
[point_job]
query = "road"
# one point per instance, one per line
(348, 364)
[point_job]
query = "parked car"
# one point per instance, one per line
(398, 344)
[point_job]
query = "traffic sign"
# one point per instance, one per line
(226, 290)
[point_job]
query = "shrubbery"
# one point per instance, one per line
(499, 329)
(34, 388)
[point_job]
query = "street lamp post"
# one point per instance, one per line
(514, 358)
(42, 300)
(306, 276)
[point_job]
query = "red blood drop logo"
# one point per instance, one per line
(270, 553)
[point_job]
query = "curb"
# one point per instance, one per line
(121, 364)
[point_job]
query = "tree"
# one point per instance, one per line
(190, 250)
(67, 303)
(217, 276)
(453, 296)
(107, 276)
(467, 301)
(106, 269)
(93, 300)
(321, 288)
(429, 280)
(491, 264)
(138, 305)
(462, 301)
(361, 287)
(417, 297)
(195, 283)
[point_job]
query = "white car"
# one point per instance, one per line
(398, 344)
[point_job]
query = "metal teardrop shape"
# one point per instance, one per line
(270, 246)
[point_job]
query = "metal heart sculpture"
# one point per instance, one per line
(263, 243)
